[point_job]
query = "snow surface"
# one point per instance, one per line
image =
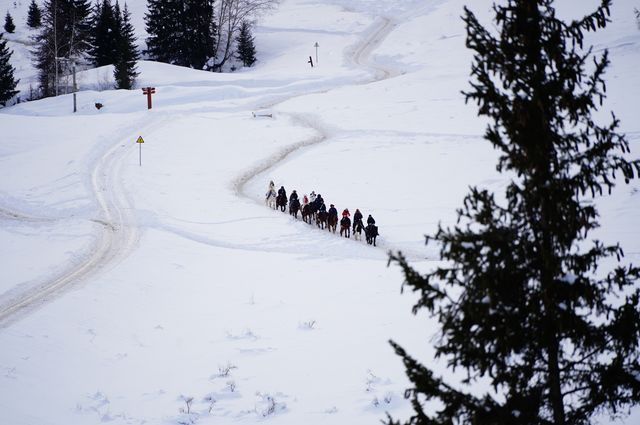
(172, 281)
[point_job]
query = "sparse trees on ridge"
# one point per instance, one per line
(522, 301)
(7, 81)
(34, 16)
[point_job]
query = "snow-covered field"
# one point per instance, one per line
(171, 281)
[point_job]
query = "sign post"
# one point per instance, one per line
(148, 91)
(316, 46)
(140, 141)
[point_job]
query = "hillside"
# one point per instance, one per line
(129, 289)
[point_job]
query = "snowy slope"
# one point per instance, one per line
(172, 280)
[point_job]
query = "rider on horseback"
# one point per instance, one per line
(357, 218)
(370, 220)
(322, 208)
(346, 213)
(282, 192)
(312, 197)
(294, 195)
(333, 211)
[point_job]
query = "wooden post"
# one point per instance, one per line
(148, 91)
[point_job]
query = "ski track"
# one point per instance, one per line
(116, 237)
(119, 233)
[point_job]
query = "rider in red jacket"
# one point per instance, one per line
(346, 213)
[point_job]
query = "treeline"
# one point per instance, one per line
(72, 31)
(203, 34)
(213, 35)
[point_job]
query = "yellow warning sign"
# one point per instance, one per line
(140, 140)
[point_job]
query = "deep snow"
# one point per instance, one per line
(172, 274)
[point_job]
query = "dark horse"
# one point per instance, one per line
(345, 227)
(321, 219)
(371, 232)
(307, 213)
(332, 222)
(358, 227)
(294, 207)
(281, 202)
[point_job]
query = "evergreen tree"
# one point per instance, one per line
(522, 302)
(246, 51)
(125, 71)
(7, 81)
(181, 32)
(9, 26)
(162, 26)
(65, 32)
(34, 17)
(104, 35)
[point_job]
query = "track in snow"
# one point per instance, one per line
(119, 234)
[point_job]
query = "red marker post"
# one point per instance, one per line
(148, 91)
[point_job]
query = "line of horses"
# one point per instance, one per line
(312, 212)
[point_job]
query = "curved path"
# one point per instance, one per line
(116, 236)
(358, 55)
(119, 234)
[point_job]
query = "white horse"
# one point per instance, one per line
(270, 199)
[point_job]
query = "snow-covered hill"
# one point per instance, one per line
(171, 281)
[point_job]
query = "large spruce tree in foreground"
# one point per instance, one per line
(34, 16)
(523, 301)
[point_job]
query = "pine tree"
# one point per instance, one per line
(181, 32)
(34, 17)
(65, 33)
(162, 25)
(9, 26)
(522, 301)
(246, 51)
(7, 81)
(104, 35)
(125, 71)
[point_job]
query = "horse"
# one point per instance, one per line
(270, 199)
(294, 207)
(358, 227)
(281, 202)
(307, 213)
(321, 219)
(345, 227)
(332, 223)
(371, 232)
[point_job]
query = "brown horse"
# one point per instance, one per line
(294, 207)
(332, 223)
(307, 213)
(281, 202)
(371, 232)
(321, 219)
(345, 227)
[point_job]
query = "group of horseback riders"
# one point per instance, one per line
(314, 207)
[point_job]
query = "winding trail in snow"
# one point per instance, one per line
(359, 55)
(116, 236)
(117, 233)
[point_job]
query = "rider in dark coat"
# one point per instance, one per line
(282, 192)
(322, 208)
(293, 196)
(333, 211)
(370, 220)
(357, 217)
(319, 201)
